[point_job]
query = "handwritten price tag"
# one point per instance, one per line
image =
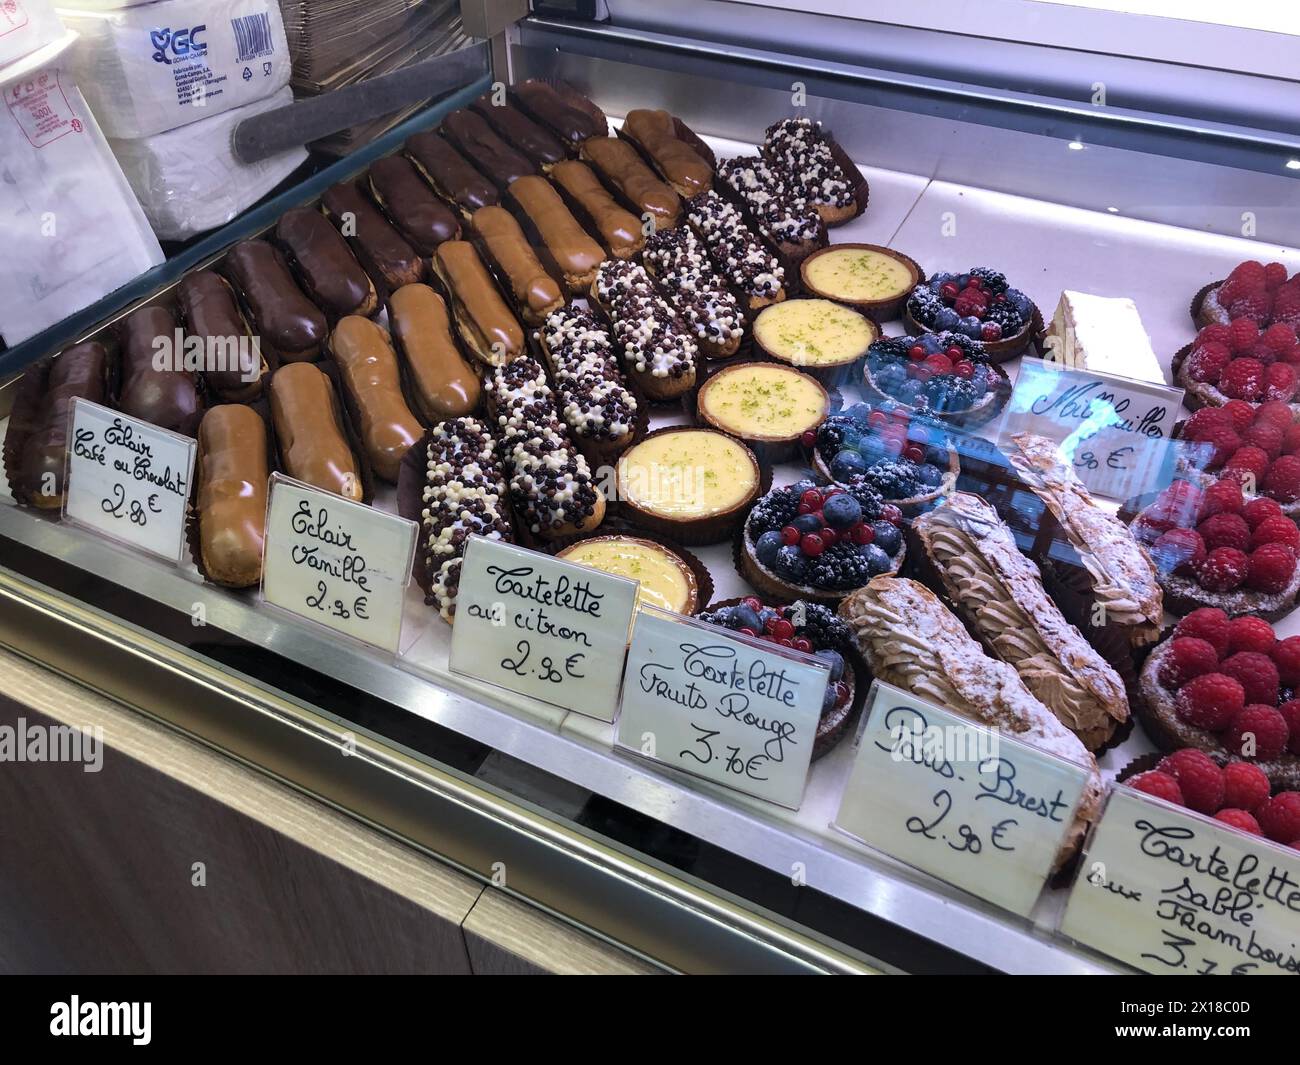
(336, 562)
(1169, 891)
(542, 627)
(965, 803)
(1113, 430)
(723, 707)
(128, 479)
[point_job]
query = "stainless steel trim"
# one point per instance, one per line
(631, 903)
(949, 918)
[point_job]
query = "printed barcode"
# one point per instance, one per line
(252, 36)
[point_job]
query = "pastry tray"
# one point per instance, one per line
(1094, 251)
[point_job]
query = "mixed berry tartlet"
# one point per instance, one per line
(978, 304)
(1240, 361)
(818, 543)
(1236, 794)
(815, 630)
(1226, 687)
(1212, 548)
(1258, 447)
(1263, 294)
(906, 457)
(947, 375)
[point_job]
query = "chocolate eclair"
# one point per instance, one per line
(559, 237)
(591, 203)
(561, 109)
(450, 174)
(659, 137)
(41, 428)
(502, 244)
(912, 641)
(475, 139)
(168, 396)
(551, 486)
(291, 328)
(518, 129)
(597, 406)
(324, 263)
(779, 208)
(389, 260)
(736, 250)
(658, 353)
(971, 555)
(625, 173)
(423, 219)
(486, 326)
(463, 494)
(234, 366)
(682, 269)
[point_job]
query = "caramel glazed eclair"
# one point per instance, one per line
(551, 487)
(797, 147)
(655, 348)
(677, 260)
(736, 250)
(464, 493)
(598, 408)
(780, 210)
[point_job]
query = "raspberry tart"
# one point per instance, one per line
(1259, 292)
(1236, 794)
(818, 543)
(1240, 361)
(908, 458)
(815, 630)
(911, 640)
(1258, 447)
(1207, 552)
(947, 375)
(1226, 686)
(968, 553)
(978, 304)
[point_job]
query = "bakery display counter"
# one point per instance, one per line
(693, 874)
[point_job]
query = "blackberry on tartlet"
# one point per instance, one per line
(908, 458)
(978, 304)
(945, 376)
(813, 629)
(814, 542)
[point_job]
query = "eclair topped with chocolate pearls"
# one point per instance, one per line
(655, 346)
(780, 209)
(736, 250)
(798, 147)
(592, 397)
(680, 265)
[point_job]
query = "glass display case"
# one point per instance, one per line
(1047, 150)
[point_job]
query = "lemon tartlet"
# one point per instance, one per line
(820, 337)
(869, 277)
(664, 578)
(767, 405)
(690, 485)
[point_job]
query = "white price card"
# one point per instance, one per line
(541, 626)
(965, 803)
(1115, 432)
(1168, 890)
(128, 479)
(336, 562)
(729, 708)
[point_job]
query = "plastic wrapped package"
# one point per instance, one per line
(188, 179)
(154, 67)
(26, 25)
(72, 227)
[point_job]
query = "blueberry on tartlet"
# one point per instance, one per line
(946, 376)
(806, 541)
(978, 304)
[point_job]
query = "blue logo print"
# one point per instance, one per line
(182, 44)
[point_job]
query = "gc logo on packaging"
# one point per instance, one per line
(182, 44)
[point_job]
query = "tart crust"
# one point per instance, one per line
(971, 557)
(881, 309)
(710, 528)
(911, 640)
(770, 447)
(1169, 732)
